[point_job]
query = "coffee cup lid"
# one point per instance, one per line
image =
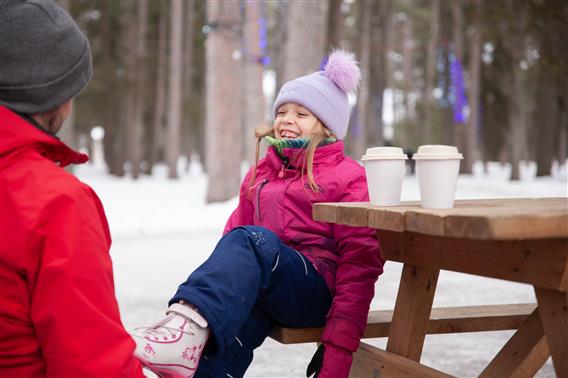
(384, 153)
(437, 151)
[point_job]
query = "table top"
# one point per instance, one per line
(486, 219)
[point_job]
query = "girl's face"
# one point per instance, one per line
(293, 121)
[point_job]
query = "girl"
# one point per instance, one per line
(274, 264)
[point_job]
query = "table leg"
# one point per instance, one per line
(553, 308)
(412, 311)
(524, 354)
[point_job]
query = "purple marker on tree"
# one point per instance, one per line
(458, 90)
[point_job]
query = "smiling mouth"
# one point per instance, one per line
(289, 134)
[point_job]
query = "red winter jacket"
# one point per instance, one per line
(58, 313)
(347, 257)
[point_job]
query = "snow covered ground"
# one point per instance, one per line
(163, 229)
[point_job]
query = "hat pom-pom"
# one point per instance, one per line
(342, 69)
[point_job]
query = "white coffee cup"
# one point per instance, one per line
(437, 167)
(385, 169)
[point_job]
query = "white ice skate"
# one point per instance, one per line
(173, 346)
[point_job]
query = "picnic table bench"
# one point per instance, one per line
(520, 240)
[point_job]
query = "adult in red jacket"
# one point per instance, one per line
(58, 313)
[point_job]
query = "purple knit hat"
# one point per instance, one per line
(324, 93)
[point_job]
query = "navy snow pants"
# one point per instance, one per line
(251, 282)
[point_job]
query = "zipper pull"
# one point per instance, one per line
(281, 173)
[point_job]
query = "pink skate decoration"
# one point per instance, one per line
(149, 350)
(186, 353)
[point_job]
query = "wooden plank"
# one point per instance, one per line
(353, 214)
(553, 308)
(524, 354)
(541, 262)
(391, 218)
(350, 213)
(547, 219)
(521, 223)
(412, 311)
(372, 362)
(325, 212)
(442, 320)
(433, 221)
(478, 318)
(425, 222)
(517, 218)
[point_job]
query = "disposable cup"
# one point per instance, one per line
(385, 169)
(437, 167)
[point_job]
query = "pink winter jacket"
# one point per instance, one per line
(347, 257)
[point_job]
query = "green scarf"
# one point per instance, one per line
(281, 144)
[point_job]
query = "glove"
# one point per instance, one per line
(317, 361)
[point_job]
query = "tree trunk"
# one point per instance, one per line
(279, 38)
(199, 85)
(516, 119)
(548, 114)
(253, 96)
(187, 96)
(407, 68)
(431, 68)
(359, 127)
(307, 26)
(378, 70)
(470, 145)
(563, 128)
(139, 86)
(130, 65)
(173, 145)
(546, 118)
(67, 133)
(407, 50)
(107, 70)
(158, 123)
(335, 25)
(223, 130)
(458, 26)
(388, 67)
(518, 95)
(459, 129)
(118, 84)
(444, 121)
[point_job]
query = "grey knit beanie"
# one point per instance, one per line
(45, 59)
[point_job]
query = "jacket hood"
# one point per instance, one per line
(17, 135)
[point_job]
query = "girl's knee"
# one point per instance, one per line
(263, 242)
(258, 235)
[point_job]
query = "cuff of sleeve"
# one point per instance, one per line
(342, 333)
(336, 362)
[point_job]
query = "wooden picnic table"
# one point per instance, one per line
(521, 240)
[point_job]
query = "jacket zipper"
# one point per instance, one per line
(264, 182)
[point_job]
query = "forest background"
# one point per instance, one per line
(185, 78)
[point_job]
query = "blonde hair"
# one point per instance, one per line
(319, 134)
